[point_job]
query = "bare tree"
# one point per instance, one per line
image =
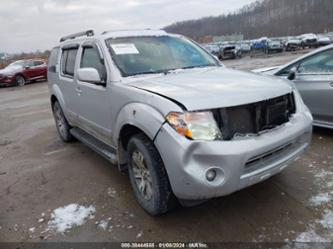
(264, 18)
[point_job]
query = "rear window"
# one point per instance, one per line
(53, 57)
(38, 63)
(68, 61)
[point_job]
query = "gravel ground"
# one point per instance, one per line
(51, 191)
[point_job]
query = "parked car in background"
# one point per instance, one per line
(293, 43)
(212, 48)
(166, 111)
(313, 76)
(230, 51)
(3, 56)
(245, 47)
(23, 71)
(274, 45)
(309, 40)
(260, 44)
(323, 41)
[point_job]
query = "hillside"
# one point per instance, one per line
(264, 18)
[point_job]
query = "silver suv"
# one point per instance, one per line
(159, 106)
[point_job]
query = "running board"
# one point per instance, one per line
(101, 148)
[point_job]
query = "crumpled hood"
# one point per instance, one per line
(214, 87)
(10, 70)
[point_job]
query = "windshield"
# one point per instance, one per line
(16, 64)
(160, 54)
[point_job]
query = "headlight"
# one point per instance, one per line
(195, 125)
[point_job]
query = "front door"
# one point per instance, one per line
(314, 80)
(92, 101)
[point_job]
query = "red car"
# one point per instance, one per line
(23, 71)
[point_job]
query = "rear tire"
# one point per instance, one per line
(148, 176)
(20, 80)
(62, 125)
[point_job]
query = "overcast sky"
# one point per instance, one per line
(28, 25)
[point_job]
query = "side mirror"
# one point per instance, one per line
(292, 73)
(26, 67)
(89, 75)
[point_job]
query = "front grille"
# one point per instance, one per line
(268, 155)
(280, 154)
(256, 117)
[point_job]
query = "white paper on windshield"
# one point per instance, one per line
(125, 48)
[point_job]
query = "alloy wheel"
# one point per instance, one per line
(20, 80)
(142, 175)
(60, 120)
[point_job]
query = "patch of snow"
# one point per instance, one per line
(327, 220)
(320, 199)
(111, 192)
(103, 224)
(64, 218)
(310, 236)
(323, 173)
(139, 235)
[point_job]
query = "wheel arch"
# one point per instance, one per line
(53, 99)
(134, 119)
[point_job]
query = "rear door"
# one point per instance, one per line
(40, 69)
(66, 82)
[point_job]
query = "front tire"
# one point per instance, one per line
(20, 80)
(148, 176)
(62, 125)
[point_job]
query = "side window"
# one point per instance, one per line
(321, 63)
(29, 64)
(68, 61)
(91, 58)
(38, 63)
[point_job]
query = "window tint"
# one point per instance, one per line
(68, 61)
(38, 63)
(320, 63)
(29, 64)
(91, 58)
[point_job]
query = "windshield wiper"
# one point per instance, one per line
(200, 66)
(154, 72)
(168, 71)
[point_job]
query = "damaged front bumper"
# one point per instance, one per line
(236, 164)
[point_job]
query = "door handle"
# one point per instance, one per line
(331, 84)
(78, 90)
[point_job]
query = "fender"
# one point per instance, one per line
(143, 116)
(55, 90)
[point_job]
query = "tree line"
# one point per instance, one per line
(263, 18)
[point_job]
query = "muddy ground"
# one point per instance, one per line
(39, 173)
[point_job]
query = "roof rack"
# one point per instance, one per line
(123, 30)
(73, 36)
